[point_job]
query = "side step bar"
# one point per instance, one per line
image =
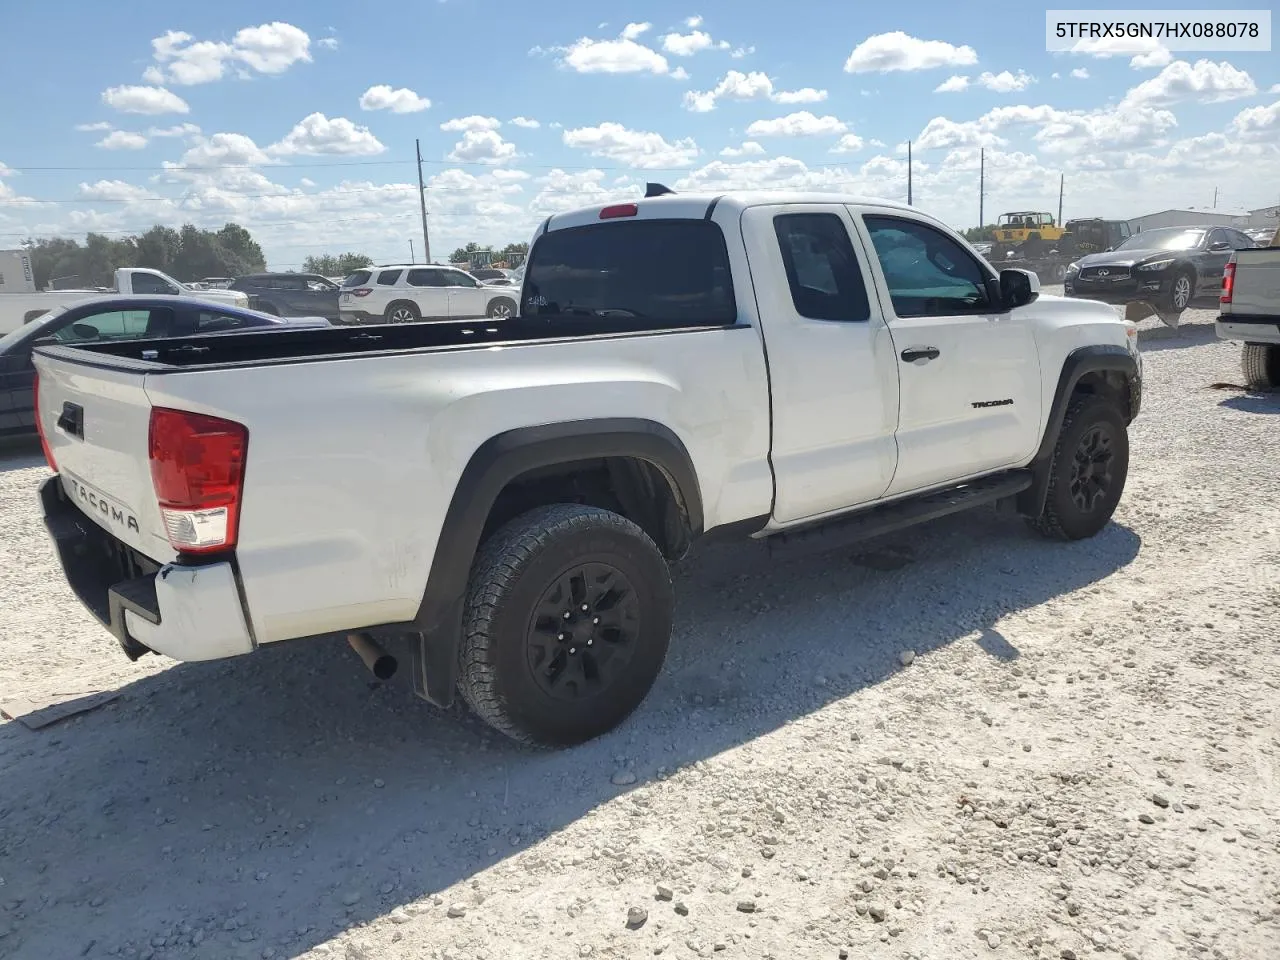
(888, 517)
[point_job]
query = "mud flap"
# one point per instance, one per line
(1140, 310)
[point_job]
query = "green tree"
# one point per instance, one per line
(336, 265)
(463, 254)
(975, 234)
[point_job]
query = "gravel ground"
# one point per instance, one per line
(1080, 757)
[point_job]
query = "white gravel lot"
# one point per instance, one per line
(1081, 760)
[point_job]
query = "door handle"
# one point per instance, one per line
(912, 354)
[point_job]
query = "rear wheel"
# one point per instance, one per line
(566, 626)
(502, 308)
(402, 311)
(1088, 472)
(1260, 363)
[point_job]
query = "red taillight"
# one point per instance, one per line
(619, 210)
(1228, 282)
(362, 291)
(197, 469)
(44, 442)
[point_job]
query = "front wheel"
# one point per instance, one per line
(1260, 364)
(1088, 471)
(566, 626)
(501, 309)
(1181, 290)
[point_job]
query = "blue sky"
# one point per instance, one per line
(299, 120)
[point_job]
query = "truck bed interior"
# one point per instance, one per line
(286, 346)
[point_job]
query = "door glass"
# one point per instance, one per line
(116, 325)
(456, 278)
(822, 269)
(388, 278)
(426, 278)
(928, 273)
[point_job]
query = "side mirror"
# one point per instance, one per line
(85, 331)
(1018, 287)
(1108, 250)
(1220, 247)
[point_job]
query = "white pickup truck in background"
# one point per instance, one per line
(21, 302)
(505, 497)
(1250, 313)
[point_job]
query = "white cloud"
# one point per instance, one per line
(306, 182)
(803, 95)
(122, 140)
(1205, 82)
(328, 43)
(849, 143)
(1256, 123)
(749, 148)
(473, 122)
(402, 100)
(887, 52)
(634, 148)
(623, 55)
(525, 122)
(1058, 131)
(113, 190)
(686, 44)
(1158, 57)
(178, 130)
(801, 124)
(1055, 76)
(147, 100)
(316, 134)
(1080, 73)
(93, 127)
(482, 146)
(562, 190)
(1275, 89)
(1006, 82)
(694, 21)
(224, 149)
(739, 52)
(755, 85)
(953, 84)
(270, 48)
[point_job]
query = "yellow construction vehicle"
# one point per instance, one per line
(1014, 228)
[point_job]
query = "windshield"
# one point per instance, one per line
(1170, 238)
(30, 331)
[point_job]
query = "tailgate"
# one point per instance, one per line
(96, 422)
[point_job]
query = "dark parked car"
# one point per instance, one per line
(1169, 267)
(113, 318)
(291, 294)
(493, 276)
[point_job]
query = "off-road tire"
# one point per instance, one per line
(1063, 517)
(396, 312)
(1260, 364)
(510, 579)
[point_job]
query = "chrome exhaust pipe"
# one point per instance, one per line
(380, 663)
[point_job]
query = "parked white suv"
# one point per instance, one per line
(406, 293)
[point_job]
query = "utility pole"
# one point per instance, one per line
(1061, 183)
(908, 173)
(1215, 198)
(422, 200)
(982, 186)
(411, 257)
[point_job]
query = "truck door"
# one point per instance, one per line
(832, 367)
(969, 373)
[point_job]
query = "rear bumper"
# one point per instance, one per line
(1248, 329)
(184, 611)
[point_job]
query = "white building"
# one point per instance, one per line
(1264, 217)
(1189, 218)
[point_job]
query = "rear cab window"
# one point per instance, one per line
(665, 273)
(357, 279)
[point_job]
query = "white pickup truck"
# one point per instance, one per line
(20, 302)
(1250, 313)
(803, 368)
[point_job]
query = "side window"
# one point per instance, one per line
(147, 283)
(113, 325)
(1240, 241)
(209, 322)
(319, 286)
(388, 278)
(286, 283)
(426, 278)
(1217, 235)
(822, 269)
(456, 278)
(928, 273)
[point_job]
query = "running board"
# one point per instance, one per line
(886, 518)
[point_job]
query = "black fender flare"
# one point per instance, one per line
(1095, 358)
(496, 463)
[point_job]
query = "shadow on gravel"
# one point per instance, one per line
(273, 801)
(20, 454)
(1155, 339)
(1254, 403)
